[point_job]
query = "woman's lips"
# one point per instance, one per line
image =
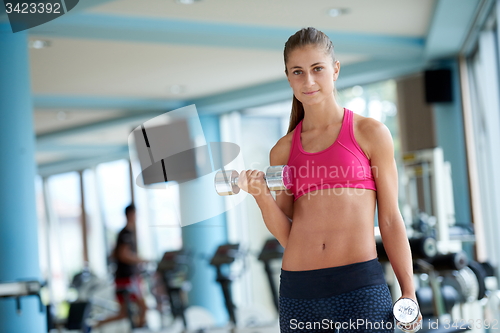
(311, 92)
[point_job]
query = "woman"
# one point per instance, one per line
(343, 166)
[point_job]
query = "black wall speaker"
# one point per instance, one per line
(438, 87)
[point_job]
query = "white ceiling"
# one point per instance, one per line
(146, 70)
(390, 17)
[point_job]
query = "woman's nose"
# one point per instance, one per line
(309, 80)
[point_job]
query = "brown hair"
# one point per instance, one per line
(304, 37)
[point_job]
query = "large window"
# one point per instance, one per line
(113, 188)
(158, 220)
(483, 130)
(95, 228)
(65, 235)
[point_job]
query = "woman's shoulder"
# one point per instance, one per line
(370, 132)
(367, 125)
(281, 151)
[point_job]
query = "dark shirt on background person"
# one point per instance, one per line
(123, 269)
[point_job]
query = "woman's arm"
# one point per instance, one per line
(391, 224)
(277, 213)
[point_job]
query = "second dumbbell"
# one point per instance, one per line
(277, 178)
(406, 312)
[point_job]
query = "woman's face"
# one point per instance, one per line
(311, 74)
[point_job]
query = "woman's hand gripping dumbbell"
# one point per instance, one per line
(277, 178)
(407, 315)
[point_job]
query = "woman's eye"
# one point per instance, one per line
(317, 69)
(297, 72)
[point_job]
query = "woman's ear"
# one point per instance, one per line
(336, 70)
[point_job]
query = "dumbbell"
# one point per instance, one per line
(277, 178)
(406, 312)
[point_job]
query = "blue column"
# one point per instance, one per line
(18, 219)
(451, 137)
(203, 238)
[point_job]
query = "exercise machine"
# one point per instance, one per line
(224, 256)
(173, 270)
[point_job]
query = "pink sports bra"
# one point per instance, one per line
(341, 165)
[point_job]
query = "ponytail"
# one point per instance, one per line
(296, 115)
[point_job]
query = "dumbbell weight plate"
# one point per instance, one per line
(406, 312)
(225, 182)
(278, 177)
(423, 248)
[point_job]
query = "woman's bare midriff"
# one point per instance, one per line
(331, 228)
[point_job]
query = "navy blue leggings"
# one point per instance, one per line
(350, 298)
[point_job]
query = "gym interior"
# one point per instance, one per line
(77, 93)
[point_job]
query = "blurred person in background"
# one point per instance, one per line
(127, 278)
